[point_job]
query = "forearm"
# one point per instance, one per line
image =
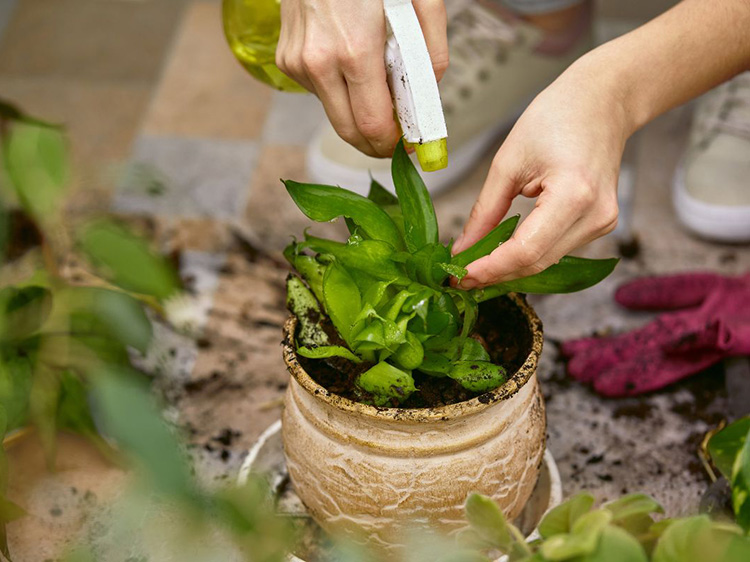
(670, 60)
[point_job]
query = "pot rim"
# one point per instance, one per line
(441, 413)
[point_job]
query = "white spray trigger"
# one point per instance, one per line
(413, 85)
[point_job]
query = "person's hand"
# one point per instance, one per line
(336, 49)
(565, 150)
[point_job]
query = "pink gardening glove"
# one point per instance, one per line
(712, 322)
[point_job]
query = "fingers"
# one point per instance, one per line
(337, 52)
(434, 22)
(371, 104)
(567, 215)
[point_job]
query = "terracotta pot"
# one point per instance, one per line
(368, 473)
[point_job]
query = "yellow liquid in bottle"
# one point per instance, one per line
(252, 30)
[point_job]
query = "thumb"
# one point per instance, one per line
(668, 292)
(434, 22)
(491, 206)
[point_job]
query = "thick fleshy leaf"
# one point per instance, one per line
(15, 387)
(569, 275)
(324, 203)
(127, 260)
(486, 245)
(727, 444)
(560, 519)
(302, 303)
(342, 299)
(488, 521)
(582, 539)
(386, 383)
(325, 351)
(420, 222)
(616, 545)
(410, 354)
(478, 376)
(380, 195)
(632, 504)
(36, 163)
(698, 539)
(311, 270)
(455, 270)
(373, 257)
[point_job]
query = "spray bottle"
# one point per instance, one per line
(252, 29)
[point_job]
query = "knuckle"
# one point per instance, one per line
(373, 128)
(440, 63)
(477, 211)
(315, 61)
(531, 256)
(584, 196)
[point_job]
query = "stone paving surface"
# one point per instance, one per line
(176, 135)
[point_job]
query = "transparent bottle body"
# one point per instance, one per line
(252, 30)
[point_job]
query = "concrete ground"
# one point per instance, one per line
(167, 129)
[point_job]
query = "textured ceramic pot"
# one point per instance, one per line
(368, 473)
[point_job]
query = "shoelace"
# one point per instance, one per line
(733, 116)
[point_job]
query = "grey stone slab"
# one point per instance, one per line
(293, 119)
(185, 177)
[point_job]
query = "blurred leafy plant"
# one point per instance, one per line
(622, 530)
(730, 452)
(386, 289)
(55, 334)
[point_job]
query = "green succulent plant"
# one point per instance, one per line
(386, 289)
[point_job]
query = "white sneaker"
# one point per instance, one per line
(498, 64)
(711, 190)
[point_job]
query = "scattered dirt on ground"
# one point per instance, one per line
(501, 325)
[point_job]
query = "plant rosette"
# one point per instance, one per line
(407, 394)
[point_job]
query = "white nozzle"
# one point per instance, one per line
(414, 86)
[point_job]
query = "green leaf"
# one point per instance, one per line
(301, 302)
(582, 539)
(727, 444)
(324, 351)
(373, 257)
(324, 203)
(420, 222)
(560, 519)
(698, 539)
(409, 354)
(380, 195)
(569, 275)
(386, 383)
(486, 245)
(741, 486)
(44, 398)
(632, 504)
(35, 160)
(311, 270)
(477, 376)
(342, 299)
(23, 311)
(455, 270)
(488, 521)
(616, 545)
(129, 415)
(15, 387)
(127, 260)
(120, 316)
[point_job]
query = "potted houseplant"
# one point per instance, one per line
(407, 394)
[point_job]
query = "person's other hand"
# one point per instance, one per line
(565, 150)
(336, 49)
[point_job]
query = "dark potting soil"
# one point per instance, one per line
(501, 325)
